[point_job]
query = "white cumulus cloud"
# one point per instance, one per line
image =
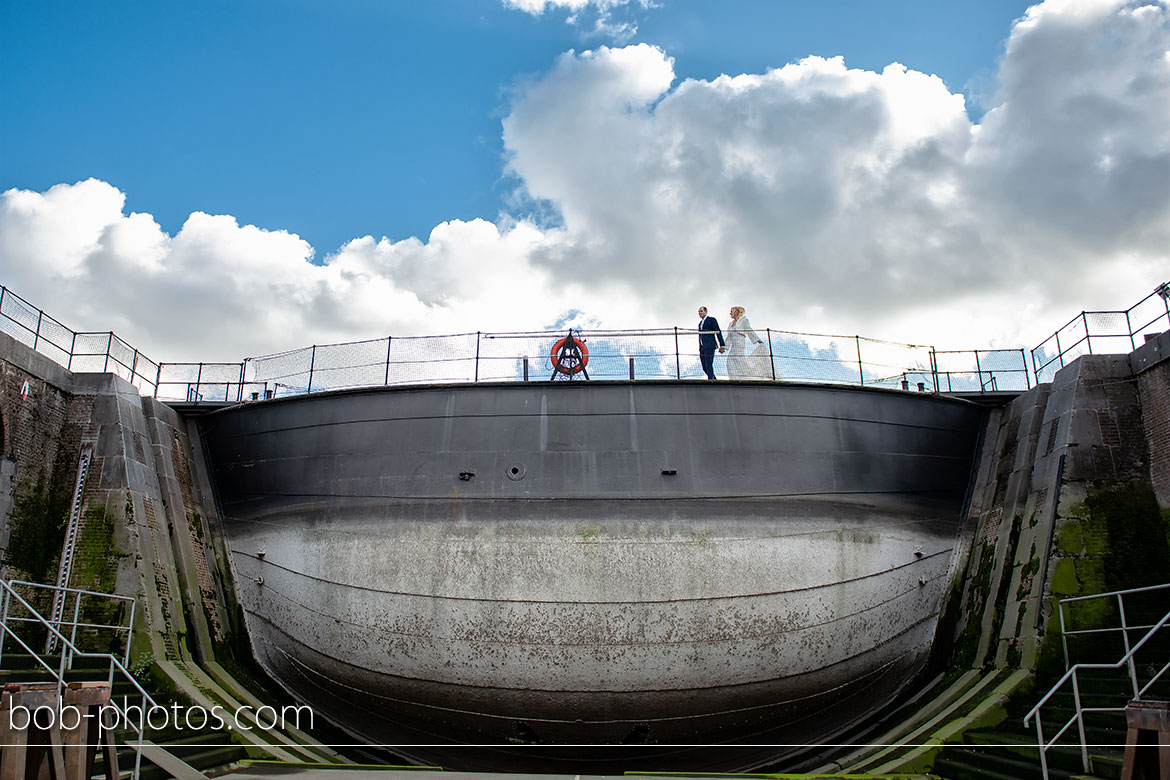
(821, 197)
(602, 13)
(834, 198)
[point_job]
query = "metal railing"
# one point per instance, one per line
(69, 651)
(1071, 676)
(668, 353)
(121, 631)
(1102, 333)
(641, 354)
(76, 351)
(992, 370)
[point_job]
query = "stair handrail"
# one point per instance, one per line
(1078, 715)
(127, 627)
(10, 593)
(1124, 628)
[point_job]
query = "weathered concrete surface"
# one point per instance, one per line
(1151, 364)
(1044, 454)
(594, 563)
(160, 549)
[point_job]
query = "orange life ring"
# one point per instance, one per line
(555, 353)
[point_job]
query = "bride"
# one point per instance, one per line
(741, 365)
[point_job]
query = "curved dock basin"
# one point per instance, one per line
(533, 568)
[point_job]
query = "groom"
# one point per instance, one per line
(708, 333)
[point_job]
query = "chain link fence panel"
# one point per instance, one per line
(665, 353)
(982, 370)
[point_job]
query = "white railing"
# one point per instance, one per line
(62, 596)
(1127, 661)
(70, 651)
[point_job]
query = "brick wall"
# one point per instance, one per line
(1154, 389)
(43, 432)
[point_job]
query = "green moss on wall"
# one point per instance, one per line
(37, 530)
(1005, 582)
(1050, 658)
(95, 567)
(1138, 553)
(1064, 579)
(96, 558)
(967, 642)
(1070, 540)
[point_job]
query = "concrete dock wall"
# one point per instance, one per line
(1038, 531)
(143, 525)
(1151, 364)
(675, 562)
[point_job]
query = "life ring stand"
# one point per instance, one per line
(569, 356)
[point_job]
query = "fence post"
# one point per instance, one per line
(477, 356)
(860, 370)
(109, 346)
(979, 370)
(72, 347)
(934, 370)
(3, 290)
(312, 362)
(1125, 640)
(1088, 341)
(1059, 349)
(157, 378)
(1129, 327)
(388, 340)
(771, 355)
(677, 359)
(37, 335)
(4, 596)
(1063, 633)
(240, 387)
(198, 382)
(1024, 363)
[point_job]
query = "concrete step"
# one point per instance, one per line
(970, 763)
(1104, 762)
(204, 752)
(1107, 766)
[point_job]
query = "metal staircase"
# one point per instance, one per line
(1144, 665)
(70, 740)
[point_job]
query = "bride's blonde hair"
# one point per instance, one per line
(739, 311)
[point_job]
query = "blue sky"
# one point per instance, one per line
(324, 122)
(340, 119)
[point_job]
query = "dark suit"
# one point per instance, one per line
(709, 335)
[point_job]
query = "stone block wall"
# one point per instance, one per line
(1151, 363)
(1058, 506)
(41, 432)
(143, 518)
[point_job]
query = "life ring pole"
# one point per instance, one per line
(569, 356)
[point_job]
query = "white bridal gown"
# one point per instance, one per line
(740, 363)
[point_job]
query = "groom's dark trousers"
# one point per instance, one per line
(709, 337)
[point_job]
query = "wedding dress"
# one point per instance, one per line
(740, 363)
